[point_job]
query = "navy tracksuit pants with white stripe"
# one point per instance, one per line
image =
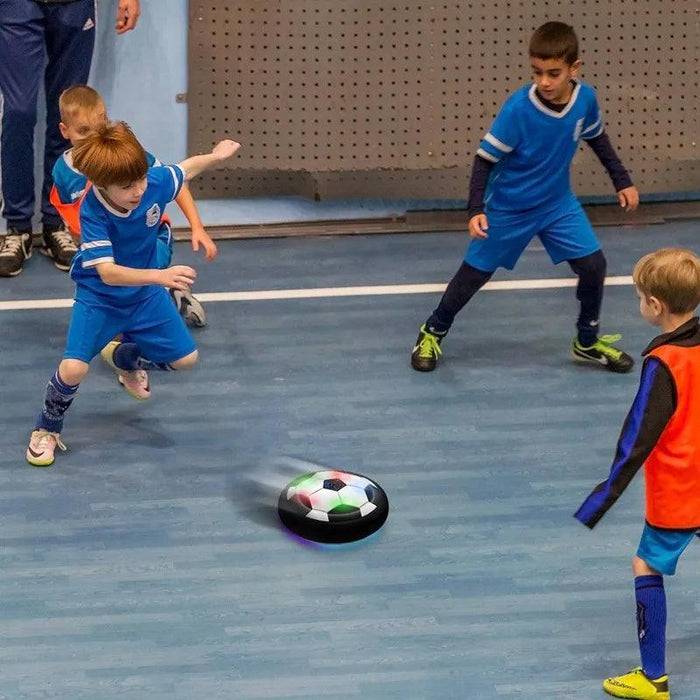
(55, 39)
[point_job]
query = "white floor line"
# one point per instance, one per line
(329, 292)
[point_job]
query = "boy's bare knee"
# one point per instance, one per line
(186, 362)
(641, 568)
(73, 371)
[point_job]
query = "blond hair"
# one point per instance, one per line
(111, 156)
(79, 99)
(672, 275)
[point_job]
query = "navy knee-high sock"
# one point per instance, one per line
(57, 400)
(128, 357)
(651, 624)
(462, 287)
(589, 291)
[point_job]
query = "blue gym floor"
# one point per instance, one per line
(140, 566)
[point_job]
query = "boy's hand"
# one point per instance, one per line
(201, 237)
(225, 149)
(629, 198)
(178, 277)
(478, 225)
(127, 15)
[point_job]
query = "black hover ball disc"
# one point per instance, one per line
(333, 506)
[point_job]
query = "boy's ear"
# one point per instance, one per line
(657, 305)
(63, 129)
(575, 67)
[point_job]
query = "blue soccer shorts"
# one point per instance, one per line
(154, 324)
(565, 232)
(661, 549)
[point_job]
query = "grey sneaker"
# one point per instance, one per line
(16, 249)
(189, 307)
(60, 245)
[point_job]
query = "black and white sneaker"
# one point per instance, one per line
(16, 249)
(60, 245)
(189, 307)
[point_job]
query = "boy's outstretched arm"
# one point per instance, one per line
(195, 165)
(651, 411)
(185, 201)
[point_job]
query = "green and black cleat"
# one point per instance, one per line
(603, 353)
(426, 351)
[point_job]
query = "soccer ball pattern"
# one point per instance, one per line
(332, 495)
(333, 506)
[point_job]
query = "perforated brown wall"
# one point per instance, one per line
(339, 98)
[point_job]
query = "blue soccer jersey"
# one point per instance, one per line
(125, 238)
(70, 182)
(532, 147)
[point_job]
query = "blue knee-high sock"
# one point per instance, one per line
(57, 400)
(128, 357)
(651, 624)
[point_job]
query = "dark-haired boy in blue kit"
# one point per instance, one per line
(520, 189)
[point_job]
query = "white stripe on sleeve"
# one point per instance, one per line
(176, 184)
(97, 261)
(485, 154)
(592, 127)
(588, 137)
(96, 244)
(498, 144)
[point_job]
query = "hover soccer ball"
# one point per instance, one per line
(333, 506)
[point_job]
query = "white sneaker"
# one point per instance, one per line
(42, 445)
(135, 383)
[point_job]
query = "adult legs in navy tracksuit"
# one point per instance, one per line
(56, 38)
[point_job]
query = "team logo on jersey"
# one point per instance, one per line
(153, 215)
(577, 129)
